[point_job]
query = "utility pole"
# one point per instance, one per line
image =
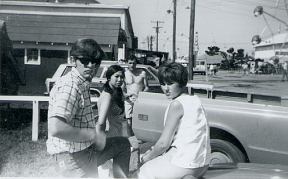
(157, 32)
(174, 31)
(151, 44)
(148, 42)
(191, 40)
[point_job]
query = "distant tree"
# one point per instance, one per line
(231, 57)
(240, 56)
(213, 50)
(230, 50)
(232, 53)
(274, 60)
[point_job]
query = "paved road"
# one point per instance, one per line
(258, 83)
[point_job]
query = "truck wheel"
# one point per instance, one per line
(225, 152)
(94, 93)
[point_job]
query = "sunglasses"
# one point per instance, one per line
(131, 63)
(86, 61)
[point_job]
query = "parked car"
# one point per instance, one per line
(240, 131)
(100, 77)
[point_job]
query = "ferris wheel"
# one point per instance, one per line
(275, 43)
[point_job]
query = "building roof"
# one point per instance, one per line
(276, 39)
(46, 23)
(61, 29)
(215, 59)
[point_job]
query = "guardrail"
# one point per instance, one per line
(35, 108)
(251, 97)
(207, 87)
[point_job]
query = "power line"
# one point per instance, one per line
(156, 9)
(238, 5)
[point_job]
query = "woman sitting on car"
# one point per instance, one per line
(184, 146)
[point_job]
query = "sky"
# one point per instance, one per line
(222, 23)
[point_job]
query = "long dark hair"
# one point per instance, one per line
(116, 93)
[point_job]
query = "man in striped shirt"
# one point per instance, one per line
(72, 139)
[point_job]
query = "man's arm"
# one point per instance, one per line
(57, 127)
(124, 88)
(145, 80)
(60, 129)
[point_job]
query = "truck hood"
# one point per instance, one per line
(247, 171)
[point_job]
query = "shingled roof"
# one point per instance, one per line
(44, 23)
(61, 29)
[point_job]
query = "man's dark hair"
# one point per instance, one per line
(87, 48)
(132, 57)
(173, 72)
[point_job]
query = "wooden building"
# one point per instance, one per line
(42, 34)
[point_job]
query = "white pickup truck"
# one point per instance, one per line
(240, 131)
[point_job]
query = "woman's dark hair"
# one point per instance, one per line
(173, 72)
(116, 93)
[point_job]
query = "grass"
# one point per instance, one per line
(19, 155)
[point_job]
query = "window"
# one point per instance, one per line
(153, 70)
(101, 73)
(67, 69)
(32, 56)
(148, 74)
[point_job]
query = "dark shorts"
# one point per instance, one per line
(85, 163)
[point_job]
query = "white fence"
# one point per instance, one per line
(35, 108)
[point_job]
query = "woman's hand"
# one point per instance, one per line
(144, 159)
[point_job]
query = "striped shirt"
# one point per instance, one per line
(70, 99)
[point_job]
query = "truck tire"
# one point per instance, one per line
(94, 93)
(225, 152)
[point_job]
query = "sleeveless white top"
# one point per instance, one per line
(192, 139)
